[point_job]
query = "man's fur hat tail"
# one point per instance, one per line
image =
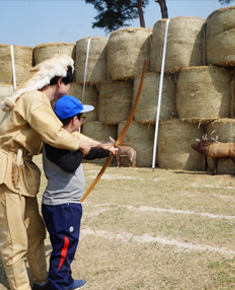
(40, 76)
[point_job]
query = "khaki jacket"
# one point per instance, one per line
(25, 127)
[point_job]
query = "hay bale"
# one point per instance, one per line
(23, 62)
(184, 43)
(90, 98)
(225, 130)
(127, 50)
(147, 108)
(5, 91)
(141, 138)
(114, 101)
(174, 145)
(220, 37)
(44, 51)
(99, 132)
(97, 60)
(203, 93)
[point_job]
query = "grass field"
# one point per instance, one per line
(161, 229)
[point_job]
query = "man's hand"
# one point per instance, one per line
(84, 146)
(108, 146)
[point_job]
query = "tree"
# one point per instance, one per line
(224, 2)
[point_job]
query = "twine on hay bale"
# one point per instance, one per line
(203, 93)
(44, 51)
(184, 43)
(90, 98)
(174, 145)
(148, 103)
(23, 62)
(126, 51)
(141, 138)
(5, 91)
(99, 132)
(225, 130)
(220, 37)
(97, 60)
(114, 101)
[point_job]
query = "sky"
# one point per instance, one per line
(30, 23)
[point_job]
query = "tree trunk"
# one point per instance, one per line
(163, 7)
(141, 14)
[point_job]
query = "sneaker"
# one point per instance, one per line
(44, 286)
(77, 284)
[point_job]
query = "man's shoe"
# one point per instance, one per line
(77, 284)
(44, 286)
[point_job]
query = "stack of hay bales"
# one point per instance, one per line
(23, 59)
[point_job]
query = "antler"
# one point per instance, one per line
(211, 138)
(214, 139)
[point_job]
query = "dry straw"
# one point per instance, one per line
(97, 60)
(23, 62)
(220, 37)
(174, 145)
(115, 101)
(5, 91)
(90, 98)
(184, 43)
(44, 51)
(203, 93)
(147, 108)
(99, 132)
(140, 138)
(225, 130)
(127, 50)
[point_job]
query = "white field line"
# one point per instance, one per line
(147, 238)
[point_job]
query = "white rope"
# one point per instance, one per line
(13, 67)
(85, 72)
(160, 94)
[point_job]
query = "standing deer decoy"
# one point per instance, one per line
(213, 148)
(124, 151)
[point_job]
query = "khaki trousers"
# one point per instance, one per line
(22, 231)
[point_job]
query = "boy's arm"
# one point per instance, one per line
(97, 153)
(67, 160)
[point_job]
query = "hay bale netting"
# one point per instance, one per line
(44, 51)
(184, 43)
(97, 60)
(99, 132)
(203, 93)
(225, 130)
(5, 91)
(174, 145)
(114, 101)
(126, 51)
(90, 98)
(148, 103)
(23, 59)
(141, 138)
(220, 37)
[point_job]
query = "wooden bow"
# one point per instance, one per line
(120, 138)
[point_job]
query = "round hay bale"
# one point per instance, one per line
(147, 108)
(225, 130)
(23, 62)
(184, 43)
(174, 145)
(90, 98)
(220, 37)
(203, 93)
(141, 138)
(127, 50)
(97, 60)
(114, 101)
(99, 132)
(5, 91)
(44, 51)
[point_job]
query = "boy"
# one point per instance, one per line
(61, 206)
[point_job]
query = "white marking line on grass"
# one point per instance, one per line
(156, 209)
(146, 238)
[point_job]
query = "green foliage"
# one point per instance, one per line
(114, 14)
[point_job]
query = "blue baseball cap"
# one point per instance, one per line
(69, 106)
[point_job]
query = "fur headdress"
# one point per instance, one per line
(40, 76)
